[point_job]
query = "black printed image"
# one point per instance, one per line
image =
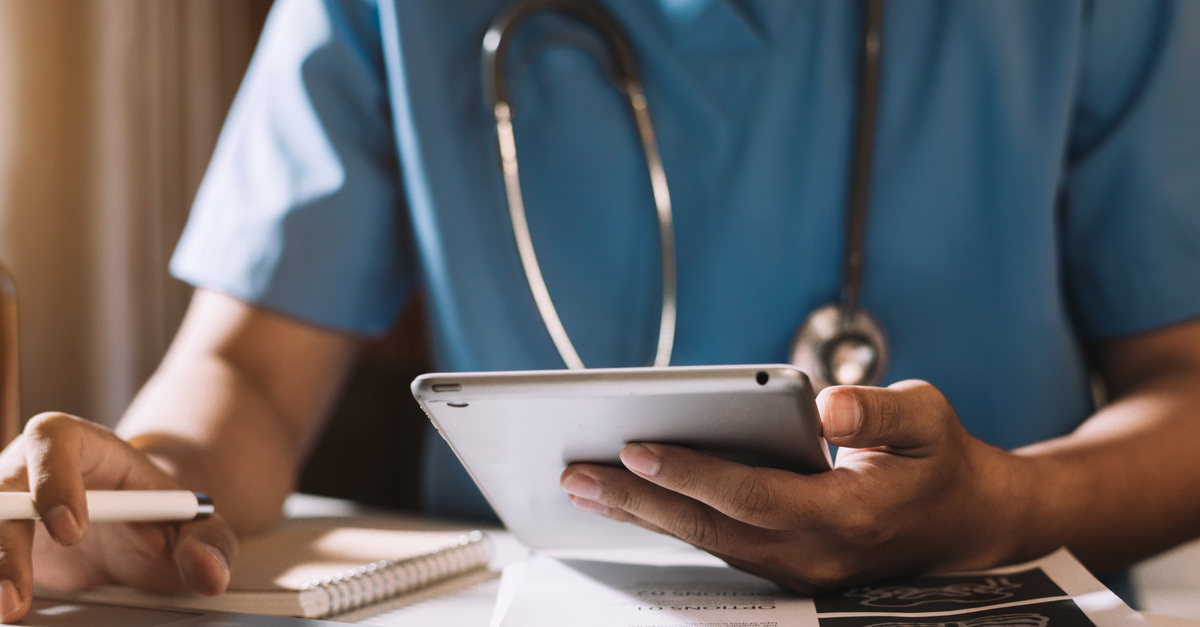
(1054, 614)
(935, 593)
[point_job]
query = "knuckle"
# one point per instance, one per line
(859, 530)
(686, 480)
(624, 501)
(941, 412)
(696, 527)
(868, 528)
(925, 388)
(890, 415)
(42, 482)
(749, 498)
(14, 546)
(48, 425)
(855, 525)
(622, 498)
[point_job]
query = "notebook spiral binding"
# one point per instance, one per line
(379, 581)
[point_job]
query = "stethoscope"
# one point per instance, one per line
(839, 343)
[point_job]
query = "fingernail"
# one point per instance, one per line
(10, 600)
(219, 556)
(582, 485)
(589, 506)
(845, 415)
(190, 569)
(640, 459)
(63, 526)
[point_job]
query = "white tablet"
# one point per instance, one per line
(516, 431)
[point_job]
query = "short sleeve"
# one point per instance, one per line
(1132, 197)
(301, 209)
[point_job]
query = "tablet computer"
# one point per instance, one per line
(515, 432)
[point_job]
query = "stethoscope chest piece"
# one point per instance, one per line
(837, 351)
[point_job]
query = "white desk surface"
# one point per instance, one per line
(1162, 620)
(469, 604)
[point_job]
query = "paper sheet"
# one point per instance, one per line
(1056, 591)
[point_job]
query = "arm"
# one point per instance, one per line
(236, 403)
(230, 411)
(912, 491)
(1126, 484)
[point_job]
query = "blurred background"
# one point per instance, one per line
(109, 111)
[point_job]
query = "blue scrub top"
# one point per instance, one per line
(1036, 185)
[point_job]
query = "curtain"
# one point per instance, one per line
(109, 111)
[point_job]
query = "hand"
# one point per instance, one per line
(911, 492)
(57, 458)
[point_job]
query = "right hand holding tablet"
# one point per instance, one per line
(57, 458)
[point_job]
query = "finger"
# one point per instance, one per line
(743, 546)
(756, 496)
(16, 569)
(64, 455)
(204, 552)
(909, 416)
(760, 557)
(583, 484)
(54, 445)
(168, 558)
(672, 512)
(613, 513)
(16, 541)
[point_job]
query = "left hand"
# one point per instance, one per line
(911, 492)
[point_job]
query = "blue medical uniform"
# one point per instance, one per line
(1035, 187)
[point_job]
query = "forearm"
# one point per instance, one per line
(1126, 484)
(236, 402)
(218, 433)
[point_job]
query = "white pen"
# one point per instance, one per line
(121, 505)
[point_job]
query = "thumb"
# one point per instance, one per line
(909, 415)
(204, 552)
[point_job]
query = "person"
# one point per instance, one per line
(1032, 223)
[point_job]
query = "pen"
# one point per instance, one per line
(120, 505)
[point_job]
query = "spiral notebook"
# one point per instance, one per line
(322, 567)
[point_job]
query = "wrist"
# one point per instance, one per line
(1011, 513)
(1034, 518)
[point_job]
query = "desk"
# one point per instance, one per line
(1170, 583)
(1162, 620)
(454, 605)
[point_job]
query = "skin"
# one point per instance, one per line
(912, 491)
(231, 411)
(236, 403)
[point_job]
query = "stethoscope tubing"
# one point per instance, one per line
(828, 327)
(628, 81)
(858, 197)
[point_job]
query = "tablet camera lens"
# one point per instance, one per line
(762, 377)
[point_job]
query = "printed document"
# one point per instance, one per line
(1055, 591)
